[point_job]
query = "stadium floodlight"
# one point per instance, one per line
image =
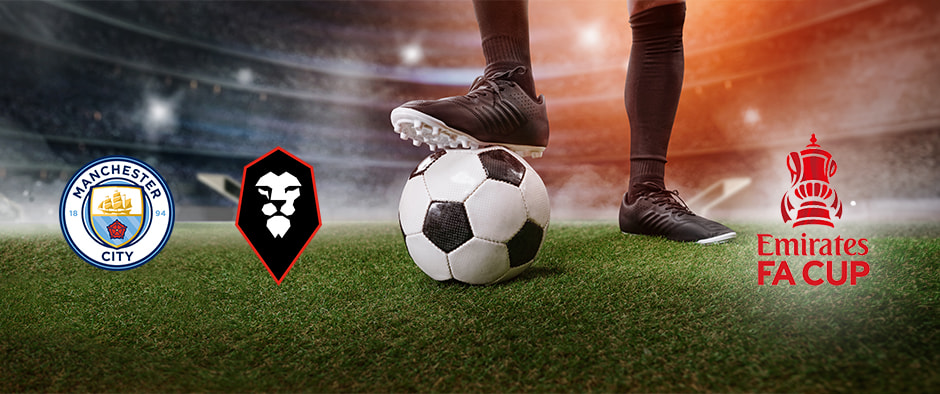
(159, 111)
(244, 76)
(411, 54)
(590, 36)
(751, 116)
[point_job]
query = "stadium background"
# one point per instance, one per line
(206, 87)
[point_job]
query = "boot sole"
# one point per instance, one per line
(421, 128)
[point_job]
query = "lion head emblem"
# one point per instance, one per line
(280, 191)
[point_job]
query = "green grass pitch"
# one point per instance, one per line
(599, 311)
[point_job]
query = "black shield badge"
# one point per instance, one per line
(278, 212)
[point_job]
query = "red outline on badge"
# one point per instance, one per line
(316, 201)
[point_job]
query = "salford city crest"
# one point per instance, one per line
(278, 213)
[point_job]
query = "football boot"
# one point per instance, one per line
(496, 111)
(659, 212)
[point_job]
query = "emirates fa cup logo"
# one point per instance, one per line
(810, 198)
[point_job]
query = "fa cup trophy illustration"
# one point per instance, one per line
(810, 197)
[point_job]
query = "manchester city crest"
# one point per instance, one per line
(116, 213)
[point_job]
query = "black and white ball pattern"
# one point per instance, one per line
(478, 216)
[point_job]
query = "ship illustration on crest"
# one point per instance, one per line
(116, 204)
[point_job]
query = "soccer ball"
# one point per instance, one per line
(477, 215)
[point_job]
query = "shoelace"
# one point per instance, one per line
(668, 198)
(487, 83)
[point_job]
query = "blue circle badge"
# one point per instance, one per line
(116, 213)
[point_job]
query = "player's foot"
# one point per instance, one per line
(496, 111)
(660, 212)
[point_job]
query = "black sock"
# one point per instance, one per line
(646, 171)
(504, 29)
(651, 94)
